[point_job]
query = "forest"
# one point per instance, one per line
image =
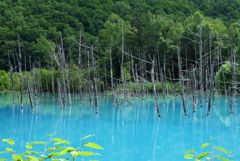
(160, 45)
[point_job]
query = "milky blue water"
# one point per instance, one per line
(131, 133)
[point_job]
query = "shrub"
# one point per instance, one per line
(55, 152)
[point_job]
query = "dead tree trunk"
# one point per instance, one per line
(63, 65)
(111, 71)
(11, 77)
(53, 88)
(79, 49)
(181, 82)
(193, 87)
(201, 61)
(68, 87)
(154, 89)
(163, 85)
(94, 81)
(12, 82)
(234, 76)
(60, 97)
(122, 70)
(211, 94)
(89, 82)
(20, 72)
(29, 94)
(230, 99)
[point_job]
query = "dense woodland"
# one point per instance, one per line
(73, 44)
(150, 27)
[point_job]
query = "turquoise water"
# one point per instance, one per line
(132, 133)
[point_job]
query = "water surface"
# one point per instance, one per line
(131, 133)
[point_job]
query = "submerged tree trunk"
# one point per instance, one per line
(163, 85)
(53, 88)
(94, 81)
(12, 82)
(234, 76)
(230, 98)
(20, 72)
(111, 71)
(193, 87)
(201, 61)
(154, 89)
(211, 92)
(29, 94)
(181, 82)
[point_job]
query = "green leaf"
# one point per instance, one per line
(61, 141)
(87, 137)
(70, 148)
(65, 152)
(9, 150)
(54, 154)
(224, 159)
(190, 151)
(189, 156)
(52, 134)
(17, 157)
(202, 155)
(86, 153)
(9, 141)
(3, 159)
(93, 145)
(205, 145)
(56, 148)
(211, 138)
(29, 146)
(30, 152)
(221, 149)
(32, 158)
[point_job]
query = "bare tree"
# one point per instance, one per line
(20, 71)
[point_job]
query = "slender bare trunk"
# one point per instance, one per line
(20, 72)
(234, 76)
(201, 61)
(29, 94)
(111, 71)
(193, 86)
(154, 89)
(95, 92)
(181, 82)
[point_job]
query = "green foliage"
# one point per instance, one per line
(4, 81)
(146, 29)
(210, 156)
(51, 150)
(224, 75)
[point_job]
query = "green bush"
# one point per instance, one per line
(223, 76)
(210, 155)
(5, 82)
(55, 152)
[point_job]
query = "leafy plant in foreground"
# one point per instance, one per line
(55, 152)
(208, 156)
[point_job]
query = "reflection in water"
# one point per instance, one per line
(131, 133)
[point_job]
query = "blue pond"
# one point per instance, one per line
(131, 133)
